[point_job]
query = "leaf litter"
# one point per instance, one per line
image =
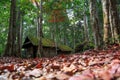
(89, 65)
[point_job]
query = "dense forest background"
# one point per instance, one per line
(70, 22)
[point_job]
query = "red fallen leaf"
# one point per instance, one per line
(15, 76)
(42, 78)
(55, 67)
(62, 56)
(62, 76)
(2, 67)
(71, 68)
(34, 72)
(117, 74)
(88, 73)
(76, 78)
(36, 59)
(26, 78)
(10, 67)
(39, 65)
(70, 73)
(105, 75)
(115, 61)
(118, 70)
(115, 46)
(81, 77)
(114, 66)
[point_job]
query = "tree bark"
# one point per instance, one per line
(111, 21)
(86, 29)
(40, 34)
(95, 23)
(55, 34)
(19, 33)
(10, 49)
(85, 19)
(114, 20)
(106, 26)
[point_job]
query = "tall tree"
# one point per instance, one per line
(111, 21)
(40, 34)
(19, 32)
(106, 25)
(10, 49)
(95, 23)
(86, 28)
(85, 19)
(114, 20)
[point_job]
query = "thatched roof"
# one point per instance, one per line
(65, 48)
(45, 42)
(34, 42)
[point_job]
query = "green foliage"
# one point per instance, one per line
(26, 6)
(4, 23)
(64, 32)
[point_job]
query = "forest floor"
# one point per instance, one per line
(90, 65)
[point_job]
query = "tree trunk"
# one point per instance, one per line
(55, 34)
(111, 28)
(52, 32)
(85, 19)
(114, 20)
(106, 26)
(10, 49)
(95, 23)
(40, 34)
(86, 28)
(19, 34)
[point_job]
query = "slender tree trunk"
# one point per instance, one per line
(106, 26)
(64, 35)
(85, 18)
(40, 34)
(14, 30)
(111, 27)
(52, 32)
(95, 23)
(19, 34)
(86, 28)
(60, 34)
(74, 34)
(11, 40)
(55, 33)
(37, 20)
(114, 20)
